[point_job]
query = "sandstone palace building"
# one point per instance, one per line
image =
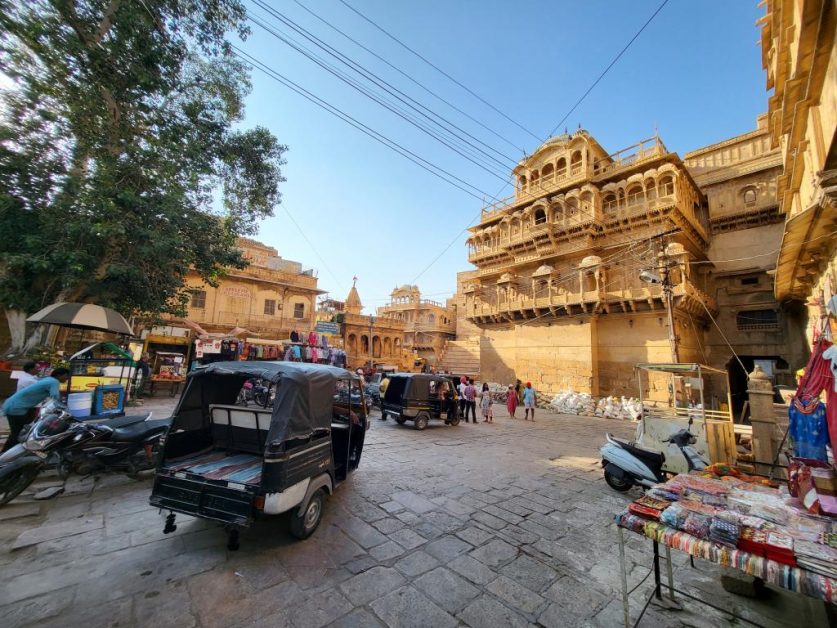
(557, 295)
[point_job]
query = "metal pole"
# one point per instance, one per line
(625, 605)
(667, 292)
(670, 575)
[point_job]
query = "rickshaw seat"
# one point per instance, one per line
(238, 428)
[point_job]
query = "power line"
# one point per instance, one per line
(395, 146)
(381, 82)
(313, 248)
(377, 98)
(440, 70)
(607, 69)
(411, 79)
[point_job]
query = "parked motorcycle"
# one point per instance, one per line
(126, 444)
(626, 464)
(254, 390)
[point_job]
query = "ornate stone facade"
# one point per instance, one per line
(738, 177)
(270, 297)
(800, 57)
(428, 324)
(557, 294)
(376, 339)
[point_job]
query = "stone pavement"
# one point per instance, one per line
(477, 525)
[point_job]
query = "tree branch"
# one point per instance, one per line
(107, 20)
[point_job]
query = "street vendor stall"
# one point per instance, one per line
(169, 358)
(100, 378)
(692, 409)
(724, 517)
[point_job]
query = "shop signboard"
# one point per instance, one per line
(324, 327)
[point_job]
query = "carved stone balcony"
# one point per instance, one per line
(641, 298)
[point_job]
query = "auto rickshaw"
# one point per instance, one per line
(232, 464)
(419, 397)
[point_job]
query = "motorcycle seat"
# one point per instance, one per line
(140, 430)
(122, 421)
(652, 459)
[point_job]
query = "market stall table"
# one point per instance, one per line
(172, 382)
(739, 525)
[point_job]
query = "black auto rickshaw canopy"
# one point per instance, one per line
(303, 403)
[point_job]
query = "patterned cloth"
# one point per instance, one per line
(808, 428)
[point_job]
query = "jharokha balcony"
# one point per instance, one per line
(636, 193)
(485, 305)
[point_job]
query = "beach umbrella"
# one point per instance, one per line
(83, 316)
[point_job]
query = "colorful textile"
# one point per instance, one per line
(808, 428)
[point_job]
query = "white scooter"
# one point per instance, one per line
(626, 464)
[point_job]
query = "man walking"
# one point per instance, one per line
(463, 403)
(471, 400)
(18, 408)
(529, 401)
(28, 377)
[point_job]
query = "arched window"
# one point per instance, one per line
(533, 181)
(575, 162)
(364, 344)
(522, 183)
(547, 171)
(571, 207)
(650, 189)
(609, 204)
(431, 319)
(562, 167)
(540, 216)
(634, 195)
(749, 196)
(667, 185)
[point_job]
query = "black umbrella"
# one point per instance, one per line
(83, 316)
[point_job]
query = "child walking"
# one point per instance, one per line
(485, 405)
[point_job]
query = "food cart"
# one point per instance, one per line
(100, 378)
(168, 368)
(712, 427)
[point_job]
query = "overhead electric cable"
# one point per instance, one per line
(382, 83)
(393, 145)
(607, 69)
(367, 93)
(411, 79)
(440, 70)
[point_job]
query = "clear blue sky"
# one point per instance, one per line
(695, 74)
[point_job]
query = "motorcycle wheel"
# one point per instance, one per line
(63, 468)
(617, 483)
(15, 484)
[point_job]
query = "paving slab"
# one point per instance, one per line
(371, 584)
(58, 531)
(447, 589)
(407, 608)
(416, 563)
(486, 611)
(516, 595)
(495, 553)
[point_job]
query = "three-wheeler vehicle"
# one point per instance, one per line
(233, 464)
(419, 397)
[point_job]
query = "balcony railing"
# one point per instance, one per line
(637, 293)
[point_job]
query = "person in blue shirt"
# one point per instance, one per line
(18, 408)
(529, 401)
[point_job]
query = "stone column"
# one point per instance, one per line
(760, 390)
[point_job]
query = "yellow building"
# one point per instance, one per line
(557, 294)
(270, 298)
(428, 325)
(800, 57)
(367, 340)
(739, 178)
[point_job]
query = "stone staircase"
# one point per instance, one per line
(461, 357)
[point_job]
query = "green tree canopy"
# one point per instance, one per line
(122, 163)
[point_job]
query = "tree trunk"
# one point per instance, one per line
(22, 342)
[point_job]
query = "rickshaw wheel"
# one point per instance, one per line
(400, 420)
(303, 526)
(421, 420)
